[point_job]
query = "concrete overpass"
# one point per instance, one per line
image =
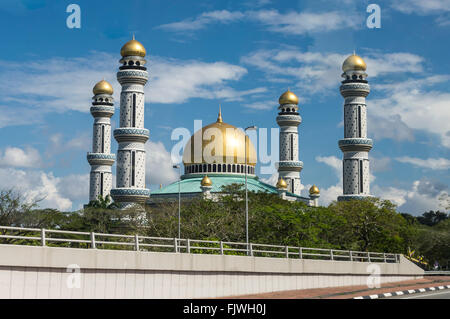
(55, 272)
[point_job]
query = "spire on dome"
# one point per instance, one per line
(219, 118)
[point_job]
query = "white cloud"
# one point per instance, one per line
(412, 107)
(327, 195)
(202, 21)
(159, 164)
(321, 72)
(62, 84)
(421, 197)
(421, 7)
(290, 23)
(174, 81)
(17, 157)
(53, 192)
(430, 163)
(304, 22)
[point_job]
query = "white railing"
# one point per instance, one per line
(74, 239)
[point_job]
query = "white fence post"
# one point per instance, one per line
(43, 237)
(93, 246)
(188, 246)
(331, 254)
(368, 256)
(287, 251)
(175, 244)
(250, 249)
(384, 257)
(221, 247)
(300, 253)
(351, 256)
(136, 242)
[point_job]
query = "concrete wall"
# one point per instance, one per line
(41, 272)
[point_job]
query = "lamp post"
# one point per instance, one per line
(246, 191)
(179, 199)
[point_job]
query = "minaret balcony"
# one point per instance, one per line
(101, 159)
(355, 89)
(289, 120)
(295, 166)
(132, 76)
(355, 144)
(131, 135)
(130, 195)
(102, 110)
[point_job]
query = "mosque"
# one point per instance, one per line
(219, 154)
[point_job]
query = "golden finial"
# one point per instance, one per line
(281, 184)
(133, 36)
(206, 181)
(219, 118)
(314, 190)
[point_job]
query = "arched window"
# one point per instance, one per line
(204, 168)
(133, 115)
(214, 168)
(130, 63)
(138, 63)
(234, 168)
(354, 76)
(219, 168)
(229, 168)
(209, 168)
(238, 169)
(288, 110)
(196, 168)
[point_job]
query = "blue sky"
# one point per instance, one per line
(242, 55)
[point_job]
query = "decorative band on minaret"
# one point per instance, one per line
(100, 158)
(131, 135)
(355, 145)
(288, 119)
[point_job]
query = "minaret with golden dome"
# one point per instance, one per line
(289, 165)
(355, 145)
(101, 158)
(131, 135)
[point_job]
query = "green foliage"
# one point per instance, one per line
(363, 225)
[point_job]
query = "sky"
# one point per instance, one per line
(242, 55)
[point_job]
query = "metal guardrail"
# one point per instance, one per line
(74, 239)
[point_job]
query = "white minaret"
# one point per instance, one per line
(355, 145)
(101, 159)
(288, 119)
(131, 135)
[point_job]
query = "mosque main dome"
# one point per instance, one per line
(220, 143)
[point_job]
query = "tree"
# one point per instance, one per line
(373, 225)
(432, 218)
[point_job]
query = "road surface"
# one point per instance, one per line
(438, 294)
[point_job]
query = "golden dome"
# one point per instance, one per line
(281, 183)
(314, 190)
(133, 47)
(220, 143)
(206, 181)
(354, 63)
(288, 98)
(103, 87)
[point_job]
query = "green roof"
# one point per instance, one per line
(192, 185)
